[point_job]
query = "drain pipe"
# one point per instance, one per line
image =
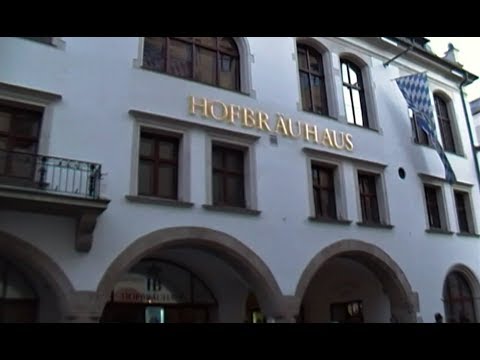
(475, 149)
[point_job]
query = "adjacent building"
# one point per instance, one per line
(195, 179)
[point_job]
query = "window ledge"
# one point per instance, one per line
(364, 127)
(468, 234)
(232, 209)
(328, 117)
(158, 201)
(375, 225)
(439, 231)
(329, 220)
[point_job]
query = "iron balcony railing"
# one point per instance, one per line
(49, 173)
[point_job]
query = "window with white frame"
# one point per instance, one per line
(160, 162)
(231, 175)
(464, 212)
(372, 196)
(435, 207)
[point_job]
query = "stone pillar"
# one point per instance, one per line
(84, 307)
(287, 310)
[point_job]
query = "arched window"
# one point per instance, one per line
(312, 80)
(210, 60)
(419, 135)
(458, 299)
(354, 93)
(445, 123)
(18, 301)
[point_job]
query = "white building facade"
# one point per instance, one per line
(232, 180)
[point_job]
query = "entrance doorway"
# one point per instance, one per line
(159, 291)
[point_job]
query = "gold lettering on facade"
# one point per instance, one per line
(281, 128)
(348, 142)
(311, 130)
(233, 113)
(335, 138)
(193, 105)
(223, 110)
(290, 129)
(327, 138)
(263, 121)
(248, 118)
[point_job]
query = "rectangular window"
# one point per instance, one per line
(419, 135)
(19, 136)
(367, 184)
(228, 179)
(158, 166)
(433, 212)
(463, 211)
(324, 191)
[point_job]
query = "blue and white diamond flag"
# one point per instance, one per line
(415, 90)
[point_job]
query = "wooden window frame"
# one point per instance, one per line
(363, 195)
(195, 45)
(346, 83)
(445, 123)
(433, 206)
(157, 161)
(311, 52)
(318, 188)
(224, 173)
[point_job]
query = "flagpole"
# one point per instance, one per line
(410, 47)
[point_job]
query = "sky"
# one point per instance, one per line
(468, 55)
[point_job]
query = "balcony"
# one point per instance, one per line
(56, 186)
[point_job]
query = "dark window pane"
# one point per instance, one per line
(228, 177)
(318, 94)
(25, 125)
(3, 154)
(228, 76)
(23, 165)
(167, 181)
(167, 150)
(305, 89)
(154, 55)
(445, 124)
(5, 118)
(315, 62)
(432, 207)
(147, 147)
(145, 178)
(218, 189)
(217, 158)
(302, 59)
(234, 161)
(234, 194)
(180, 59)
(206, 66)
(461, 205)
(368, 198)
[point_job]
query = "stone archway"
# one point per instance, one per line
(36, 265)
(404, 301)
(232, 251)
